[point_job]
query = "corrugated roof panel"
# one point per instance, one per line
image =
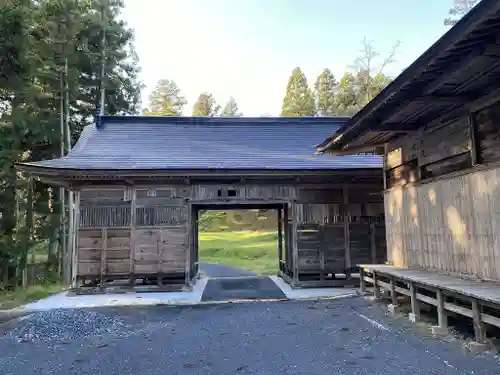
(284, 144)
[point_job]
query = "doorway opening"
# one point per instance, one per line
(239, 240)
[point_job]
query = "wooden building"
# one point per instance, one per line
(140, 183)
(438, 127)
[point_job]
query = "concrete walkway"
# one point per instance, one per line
(209, 272)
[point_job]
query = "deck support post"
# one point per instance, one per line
(376, 287)
(362, 282)
(415, 307)
(394, 298)
(479, 329)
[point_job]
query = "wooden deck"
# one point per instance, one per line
(475, 299)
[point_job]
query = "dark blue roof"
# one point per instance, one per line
(190, 143)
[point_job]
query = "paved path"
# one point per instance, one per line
(348, 336)
(220, 270)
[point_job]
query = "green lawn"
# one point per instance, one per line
(253, 251)
(11, 299)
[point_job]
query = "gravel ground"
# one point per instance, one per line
(347, 336)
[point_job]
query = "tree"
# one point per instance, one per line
(40, 38)
(358, 88)
(299, 100)
(324, 90)
(458, 10)
(206, 105)
(166, 100)
(231, 109)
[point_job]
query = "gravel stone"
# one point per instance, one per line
(47, 327)
(340, 337)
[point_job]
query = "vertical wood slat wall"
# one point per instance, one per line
(450, 223)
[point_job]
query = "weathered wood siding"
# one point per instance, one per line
(339, 228)
(444, 212)
(126, 232)
(452, 225)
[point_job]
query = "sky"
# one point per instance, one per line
(248, 48)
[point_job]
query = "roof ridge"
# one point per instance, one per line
(221, 121)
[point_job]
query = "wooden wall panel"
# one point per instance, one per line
(451, 225)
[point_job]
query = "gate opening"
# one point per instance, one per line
(238, 240)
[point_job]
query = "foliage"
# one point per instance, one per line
(325, 89)
(39, 38)
(355, 88)
(206, 105)
(231, 109)
(298, 100)
(458, 10)
(166, 100)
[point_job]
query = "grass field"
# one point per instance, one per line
(253, 251)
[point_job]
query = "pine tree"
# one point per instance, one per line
(299, 100)
(231, 109)
(206, 105)
(325, 93)
(166, 100)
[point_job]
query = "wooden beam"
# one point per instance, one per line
(395, 127)
(445, 100)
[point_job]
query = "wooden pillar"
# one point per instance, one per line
(74, 234)
(104, 238)
(479, 329)
(295, 250)
(280, 235)
(442, 317)
(189, 249)
(347, 232)
(133, 223)
(287, 233)
(373, 244)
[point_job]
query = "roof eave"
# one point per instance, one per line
(352, 128)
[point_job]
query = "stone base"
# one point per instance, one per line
(393, 310)
(477, 347)
(413, 317)
(439, 331)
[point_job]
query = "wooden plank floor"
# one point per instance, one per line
(484, 290)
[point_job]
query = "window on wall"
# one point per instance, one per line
(158, 216)
(109, 215)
